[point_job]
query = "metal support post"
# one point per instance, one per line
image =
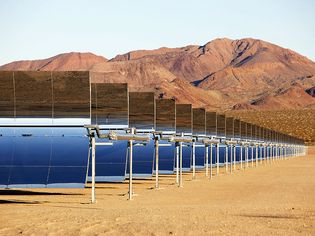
(194, 159)
(207, 159)
(211, 156)
(256, 155)
(261, 157)
(156, 162)
(241, 156)
(177, 163)
(93, 200)
(130, 168)
(218, 158)
(180, 164)
(246, 156)
(234, 156)
(226, 157)
(231, 158)
(252, 155)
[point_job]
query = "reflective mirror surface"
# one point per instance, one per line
(221, 125)
(211, 123)
(199, 121)
(165, 115)
(183, 118)
(109, 104)
(141, 110)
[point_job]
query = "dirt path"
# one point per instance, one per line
(278, 199)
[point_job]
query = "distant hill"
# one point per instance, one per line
(62, 62)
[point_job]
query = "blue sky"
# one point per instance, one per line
(40, 29)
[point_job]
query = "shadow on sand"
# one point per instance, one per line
(17, 202)
(29, 193)
(271, 216)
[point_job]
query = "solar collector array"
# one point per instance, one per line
(33, 156)
(54, 156)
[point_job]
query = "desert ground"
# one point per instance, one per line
(272, 199)
(296, 122)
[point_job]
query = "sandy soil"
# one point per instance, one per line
(277, 199)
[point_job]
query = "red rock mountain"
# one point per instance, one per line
(62, 62)
(220, 75)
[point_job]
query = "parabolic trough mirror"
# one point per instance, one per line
(35, 151)
(110, 112)
(199, 130)
(166, 124)
(142, 117)
(184, 127)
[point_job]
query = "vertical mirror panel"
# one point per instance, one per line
(222, 154)
(250, 152)
(258, 130)
(243, 130)
(229, 154)
(165, 115)
(110, 162)
(262, 134)
(143, 155)
(249, 131)
(253, 132)
(266, 135)
(238, 153)
(183, 118)
(214, 154)
(69, 158)
(71, 97)
(109, 104)
(33, 97)
(6, 145)
(237, 128)
(199, 121)
(200, 157)
(6, 155)
(6, 96)
(167, 151)
(230, 127)
(211, 123)
(142, 117)
(31, 158)
(187, 158)
(166, 122)
(269, 135)
(141, 110)
(221, 125)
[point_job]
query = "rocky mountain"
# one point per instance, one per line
(221, 75)
(248, 73)
(62, 62)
